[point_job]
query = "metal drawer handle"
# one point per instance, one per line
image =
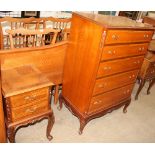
(146, 35)
(30, 98)
(102, 85)
(136, 62)
(31, 110)
(115, 37)
(126, 92)
(139, 48)
(107, 68)
(111, 52)
(131, 76)
(97, 102)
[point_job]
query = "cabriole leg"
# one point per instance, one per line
(11, 134)
(142, 82)
(125, 107)
(150, 86)
(82, 125)
(60, 102)
(51, 121)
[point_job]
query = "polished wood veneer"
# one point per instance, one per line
(102, 62)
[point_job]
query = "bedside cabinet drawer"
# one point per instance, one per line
(119, 51)
(113, 82)
(110, 99)
(21, 113)
(117, 66)
(29, 97)
(127, 36)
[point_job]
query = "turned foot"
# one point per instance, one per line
(60, 102)
(150, 86)
(11, 134)
(51, 121)
(126, 106)
(82, 125)
(142, 82)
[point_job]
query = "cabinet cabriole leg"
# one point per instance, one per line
(60, 102)
(11, 134)
(142, 82)
(51, 121)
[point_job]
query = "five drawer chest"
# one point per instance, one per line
(104, 56)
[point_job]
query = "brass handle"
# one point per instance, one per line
(97, 102)
(139, 48)
(146, 35)
(126, 92)
(107, 68)
(115, 37)
(131, 76)
(136, 62)
(31, 110)
(30, 98)
(102, 85)
(111, 52)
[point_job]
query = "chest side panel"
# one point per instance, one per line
(82, 58)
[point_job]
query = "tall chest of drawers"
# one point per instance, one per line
(102, 62)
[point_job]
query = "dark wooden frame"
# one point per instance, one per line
(24, 15)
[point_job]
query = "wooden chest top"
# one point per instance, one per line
(23, 79)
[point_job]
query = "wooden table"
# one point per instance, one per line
(26, 93)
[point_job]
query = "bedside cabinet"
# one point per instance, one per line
(147, 73)
(26, 95)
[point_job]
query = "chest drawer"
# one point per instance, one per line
(119, 51)
(110, 99)
(127, 36)
(113, 82)
(29, 97)
(117, 66)
(27, 111)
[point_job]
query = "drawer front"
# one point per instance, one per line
(110, 99)
(113, 82)
(151, 72)
(25, 112)
(127, 36)
(29, 97)
(117, 66)
(119, 51)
